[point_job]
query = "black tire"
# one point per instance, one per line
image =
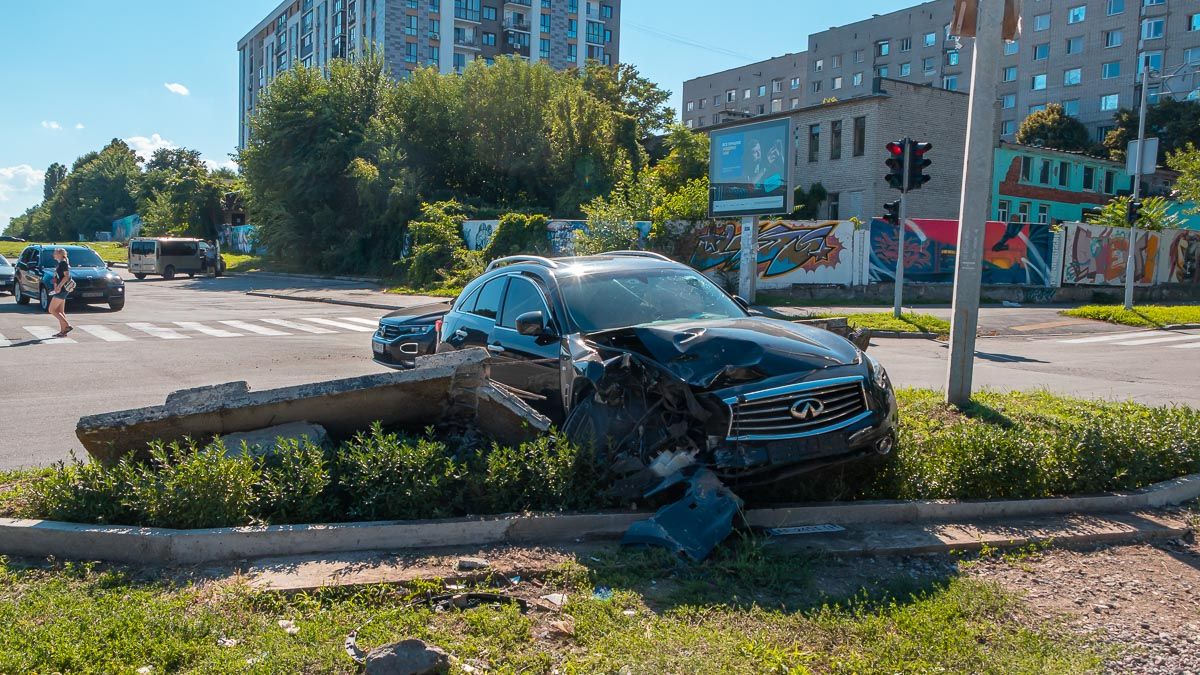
(43, 298)
(169, 273)
(20, 297)
(116, 305)
(140, 275)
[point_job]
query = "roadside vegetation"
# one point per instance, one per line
(1151, 316)
(110, 251)
(1005, 445)
(749, 609)
(909, 322)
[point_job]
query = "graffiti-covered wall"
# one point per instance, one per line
(1095, 255)
(1013, 253)
(789, 252)
(1180, 259)
(239, 239)
(559, 233)
(126, 228)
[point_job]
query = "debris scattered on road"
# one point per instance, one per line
(445, 603)
(693, 525)
(556, 599)
(471, 564)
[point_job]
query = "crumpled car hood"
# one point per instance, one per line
(742, 349)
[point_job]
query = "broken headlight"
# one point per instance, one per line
(878, 374)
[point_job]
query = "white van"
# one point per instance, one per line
(165, 256)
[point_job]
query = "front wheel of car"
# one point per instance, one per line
(169, 273)
(116, 305)
(20, 297)
(44, 299)
(139, 275)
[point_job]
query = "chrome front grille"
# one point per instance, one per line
(391, 332)
(798, 410)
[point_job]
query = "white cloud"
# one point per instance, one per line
(145, 147)
(176, 88)
(20, 188)
(213, 165)
(79, 125)
(51, 124)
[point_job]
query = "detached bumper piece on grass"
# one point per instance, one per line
(694, 525)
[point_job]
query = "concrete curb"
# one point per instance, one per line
(904, 335)
(319, 277)
(157, 546)
(328, 301)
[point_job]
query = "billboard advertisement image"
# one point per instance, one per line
(749, 170)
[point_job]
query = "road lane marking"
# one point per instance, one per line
(1190, 345)
(368, 322)
(1048, 324)
(340, 324)
(201, 328)
(105, 333)
(299, 326)
(46, 335)
(4, 342)
(1110, 338)
(157, 331)
(251, 328)
(1151, 341)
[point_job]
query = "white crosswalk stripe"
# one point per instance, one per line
(367, 322)
(252, 328)
(105, 333)
(158, 331)
(299, 326)
(201, 328)
(340, 324)
(1157, 340)
(4, 342)
(46, 335)
(1114, 337)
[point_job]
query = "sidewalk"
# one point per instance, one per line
(1010, 321)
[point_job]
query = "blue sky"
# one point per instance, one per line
(78, 73)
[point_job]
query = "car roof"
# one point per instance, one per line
(67, 247)
(571, 265)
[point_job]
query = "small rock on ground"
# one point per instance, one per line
(410, 657)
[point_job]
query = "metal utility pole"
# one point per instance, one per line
(974, 207)
(748, 261)
(898, 298)
(1137, 190)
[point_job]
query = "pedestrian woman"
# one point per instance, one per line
(62, 287)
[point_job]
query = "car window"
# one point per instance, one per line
(606, 301)
(142, 248)
(487, 304)
(29, 256)
(523, 296)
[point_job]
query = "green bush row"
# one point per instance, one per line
(1005, 445)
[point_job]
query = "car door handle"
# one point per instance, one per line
(495, 349)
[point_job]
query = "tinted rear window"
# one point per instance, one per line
(179, 248)
(141, 248)
(77, 257)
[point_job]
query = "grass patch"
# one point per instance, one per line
(744, 611)
(769, 299)
(1152, 316)
(435, 291)
(110, 251)
(909, 322)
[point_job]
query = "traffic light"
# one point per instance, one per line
(891, 213)
(917, 163)
(895, 164)
(1134, 211)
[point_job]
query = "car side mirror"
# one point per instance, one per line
(741, 302)
(532, 324)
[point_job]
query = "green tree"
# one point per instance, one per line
(624, 89)
(1054, 128)
(1154, 214)
(583, 148)
(1175, 124)
(612, 219)
(55, 174)
(436, 239)
(808, 202)
(518, 233)
(686, 159)
(178, 195)
(1187, 162)
(101, 187)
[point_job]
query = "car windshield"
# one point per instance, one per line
(605, 301)
(77, 257)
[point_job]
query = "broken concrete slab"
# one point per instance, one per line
(262, 442)
(451, 388)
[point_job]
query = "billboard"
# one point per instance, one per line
(749, 170)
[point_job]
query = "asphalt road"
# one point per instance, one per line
(194, 332)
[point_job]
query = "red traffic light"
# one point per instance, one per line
(896, 148)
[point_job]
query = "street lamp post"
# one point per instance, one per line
(1137, 190)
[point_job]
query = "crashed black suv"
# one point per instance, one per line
(650, 362)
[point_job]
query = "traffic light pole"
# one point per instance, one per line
(898, 296)
(1137, 191)
(973, 210)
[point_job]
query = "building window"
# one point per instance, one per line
(795, 83)
(762, 90)
(1011, 47)
(929, 65)
(905, 69)
(1074, 45)
(1064, 173)
(1109, 102)
(543, 48)
(410, 52)
(930, 39)
(731, 95)
(814, 142)
(819, 65)
(1116, 7)
(489, 38)
(1010, 74)
(606, 11)
(1008, 101)
(881, 71)
(776, 105)
(435, 55)
(1041, 52)
(1077, 14)
(1152, 93)
(1113, 38)
(1152, 29)
(1194, 22)
(1089, 178)
(1044, 214)
(691, 105)
(835, 203)
(776, 86)
(837, 82)
(1041, 22)
(952, 57)
(950, 83)
(700, 102)
(489, 13)
(545, 23)
(1038, 82)
(816, 86)
(858, 79)
(1192, 56)
(691, 124)
(1037, 108)
(1111, 70)
(1022, 212)
(745, 94)
(860, 136)
(1002, 211)
(1008, 127)
(1149, 3)
(572, 52)
(906, 44)
(1110, 186)
(795, 103)
(1026, 168)
(1151, 60)
(835, 139)
(1071, 107)
(883, 48)
(835, 61)
(1072, 77)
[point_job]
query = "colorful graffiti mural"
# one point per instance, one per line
(788, 251)
(126, 228)
(1013, 253)
(559, 233)
(1096, 255)
(478, 233)
(238, 239)
(1182, 257)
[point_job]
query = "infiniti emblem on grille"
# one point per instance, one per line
(807, 409)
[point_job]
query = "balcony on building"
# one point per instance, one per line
(519, 3)
(466, 40)
(517, 23)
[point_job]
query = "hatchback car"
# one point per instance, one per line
(645, 358)
(94, 283)
(7, 274)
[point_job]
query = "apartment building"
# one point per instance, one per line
(411, 34)
(762, 88)
(1084, 54)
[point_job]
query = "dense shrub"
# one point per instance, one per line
(386, 476)
(436, 239)
(518, 233)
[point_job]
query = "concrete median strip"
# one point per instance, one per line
(155, 546)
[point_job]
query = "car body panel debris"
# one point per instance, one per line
(693, 525)
(448, 389)
(262, 442)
